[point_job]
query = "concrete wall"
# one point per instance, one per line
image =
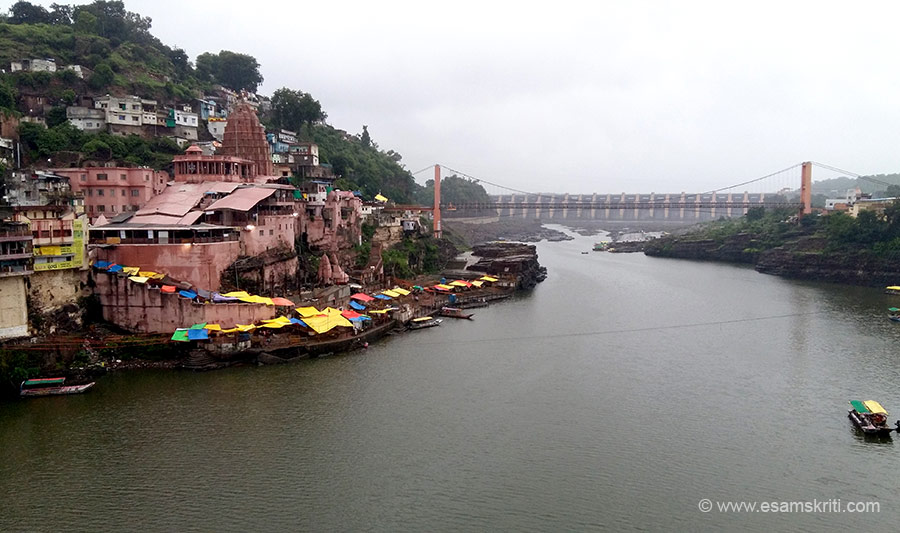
(270, 231)
(55, 288)
(138, 308)
(198, 264)
(13, 309)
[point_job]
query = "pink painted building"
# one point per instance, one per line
(110, 191)
(194, 167)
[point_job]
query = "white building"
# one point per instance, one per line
(86, 118)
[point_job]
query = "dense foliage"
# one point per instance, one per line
(231, 69)
(292, 110)
(40, 143)
(454, 191)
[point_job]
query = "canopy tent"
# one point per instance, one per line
(180, 335)
(478, 283)
(138, 279)
(401, 292)
(281, 320)
(418, 287)
(362, 297)
(188, 294)
(244, 327)
(168, 289)
(220, 299)
(115, 268)
(893, 287)
(358, 306)
(213, 327)
(379, 311)
(380, 198)
(298, 322)
(275, 325)
(105, 264)
(146, 273)
(201, 325)
(348, 314)
(282, 302)
(443, 287)
(131, 271)
(391, 293)
(460, 283)
(875, 407)
(255, 299)
(488, 278)
(307, 311)
(382, 297)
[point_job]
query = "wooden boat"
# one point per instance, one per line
(423, 322)
(870, 417)
(455, 312)
(894, 314)
(892, 289)
(50, 387)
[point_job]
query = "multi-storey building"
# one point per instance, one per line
(113, 190)
(15, 263)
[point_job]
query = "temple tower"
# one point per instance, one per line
(245, 137)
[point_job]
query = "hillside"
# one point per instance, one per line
(118, 55)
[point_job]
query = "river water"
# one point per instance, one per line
(615, 396)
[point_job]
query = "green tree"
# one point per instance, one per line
(28, 13)
(231, 69)
(364, 139)
(56, 116)
(292, 109)
(102, 77)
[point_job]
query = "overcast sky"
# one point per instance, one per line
(606, 96)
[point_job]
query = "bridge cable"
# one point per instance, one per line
(473, 178)
(423, 170)
(753, 180)
(853, 174)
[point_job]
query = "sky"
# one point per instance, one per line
(580, 97)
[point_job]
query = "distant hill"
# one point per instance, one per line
(839, 186)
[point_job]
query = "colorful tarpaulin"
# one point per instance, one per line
(201, 325)
(362, 297)
(254, 299)
(488, 278)
(131, 271)
(379, 311)
(458, 283)
(298, 322)
(282, 301)
(218, 298)
(281, 320)
(105, 264)
(326, 322)
(115, 268)
(358, 306)
(380, 198)
(244, 327)
(443, 287)
(349, 314)
(391, 293)
(180, 335)
(146, 273)
(401, 292)
(274, 325)
(138, 279)
(236, 294)
(188, 294)
(382, 297)
(213, 327)
(307, 311)
(198, 334)
(168, 289)
(478, 283)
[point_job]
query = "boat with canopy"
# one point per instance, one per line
(870, 417)
(423, 322)
(50, 387)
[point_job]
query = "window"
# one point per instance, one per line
(123, 176)
(135, 192)
(123, 192)
(112, 192)
(99, 192)
(90, 124)
(262, 233)
(122, 107)
(122, 117)
(101, 208)
(101, 177)
(112, 208)
(90, 192)
(84, 177)
(124, 208)
(146, 177)
(135, 119)
(271, 232)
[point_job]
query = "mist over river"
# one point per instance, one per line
(616, 396)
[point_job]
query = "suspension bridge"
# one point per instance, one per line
(789, 188)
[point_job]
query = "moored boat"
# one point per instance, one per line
(50, 387)
(894, 314)
(423, 322)
(455, 312)
(870, 417)
(892, 289)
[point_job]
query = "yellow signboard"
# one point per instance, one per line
(76, 250)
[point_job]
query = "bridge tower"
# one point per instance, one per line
(806, 188)
(437, 202)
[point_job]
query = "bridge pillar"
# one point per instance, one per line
(666, 208)
(712, 203)
(681, 214)
(593, 206)
(746, 202)
(652, 199)
(806, 188)
(437, 202)
(608, 202)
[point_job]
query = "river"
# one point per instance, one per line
(615, 396)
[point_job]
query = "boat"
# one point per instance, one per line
(585, 253)
(50, 387)
(870, 417)
(892, 289)
(455, 312)
(894, 314)
(601, 246)
(423, 322)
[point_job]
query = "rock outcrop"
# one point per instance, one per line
(510, 258)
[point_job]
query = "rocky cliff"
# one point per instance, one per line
(510, 258)
(801, 258)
